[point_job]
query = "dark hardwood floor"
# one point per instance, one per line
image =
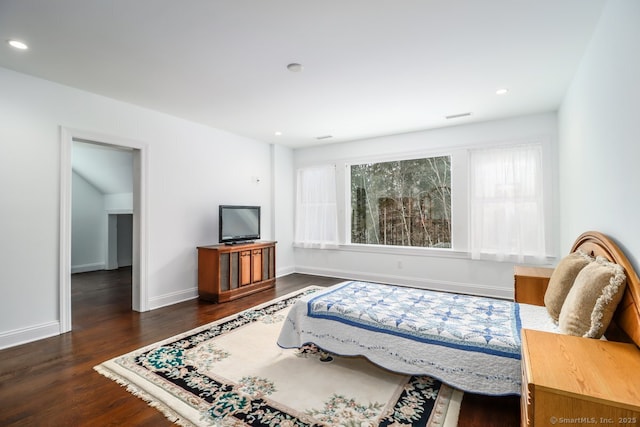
(51, 382)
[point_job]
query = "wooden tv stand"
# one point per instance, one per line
(227, 272)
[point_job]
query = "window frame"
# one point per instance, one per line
(459, 195)
(397, 249)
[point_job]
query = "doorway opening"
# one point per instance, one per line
(132, 216)
(119, 240)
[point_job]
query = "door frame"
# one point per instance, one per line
(139, 298)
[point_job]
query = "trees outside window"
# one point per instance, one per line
(402, 203)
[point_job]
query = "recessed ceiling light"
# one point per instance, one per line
(502, 91)
(294, 67)
(18, 44)
(277, 133)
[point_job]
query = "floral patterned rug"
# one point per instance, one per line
(232, 373)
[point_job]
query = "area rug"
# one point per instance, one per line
(232, 373)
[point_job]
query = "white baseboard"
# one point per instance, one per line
(436, 285)
(26, 335)
(285, 271)
(83, 268)
(172, 298)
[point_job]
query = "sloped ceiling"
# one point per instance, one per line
(107, 168)
(371, 67)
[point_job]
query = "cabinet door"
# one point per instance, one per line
(245, 268)
(256, 264)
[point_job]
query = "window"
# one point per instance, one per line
(316, 223)
(506, 202)
(402, 203)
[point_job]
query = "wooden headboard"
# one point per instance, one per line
(625, 325)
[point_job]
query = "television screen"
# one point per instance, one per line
(239, 223)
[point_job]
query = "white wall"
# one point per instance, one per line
(88, 226)
(191, 169)
(119, 202)
(283, 207)
(436, 269)
(599, 135)
(90, 210)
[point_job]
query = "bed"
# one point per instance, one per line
(471, 343)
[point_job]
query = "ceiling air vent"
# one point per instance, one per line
(455, 116)
(324, 137)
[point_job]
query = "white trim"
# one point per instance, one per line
(118, 211)
(173, 298)
(439, 285)
(140, 258)
(66, 141)
(405, 250)
(29, 334)
(140, 252)
(285, 271)
(83, 268)
(435, 253)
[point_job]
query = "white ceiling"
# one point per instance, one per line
(371, 67)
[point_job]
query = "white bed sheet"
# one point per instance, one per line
(470, 371)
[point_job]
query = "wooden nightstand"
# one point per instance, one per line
(575, 381)
(531, 284)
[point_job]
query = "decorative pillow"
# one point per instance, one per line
(592, 300)
(562, 279)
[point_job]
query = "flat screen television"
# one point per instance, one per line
(239, 224)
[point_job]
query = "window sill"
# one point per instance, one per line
(405, 250)
(431, 252)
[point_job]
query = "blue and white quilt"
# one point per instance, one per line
(471, 343)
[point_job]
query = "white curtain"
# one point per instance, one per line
(316, 212)
(506, 203)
